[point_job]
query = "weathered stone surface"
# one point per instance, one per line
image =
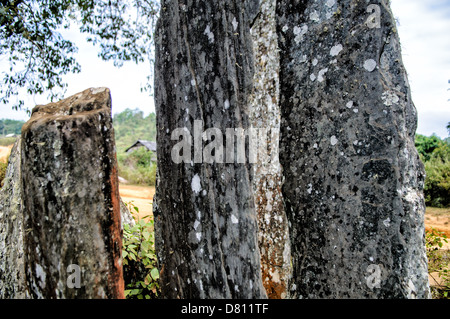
(205, 218)
(353, 179)
(273, 233)
(12, 268)
(71, 200)
(126, 217)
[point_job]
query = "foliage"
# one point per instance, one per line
(6, 141)
(137, 167)
(437, 183)
(438, 261)
(426, 145)
(3, 167)
(141, 274)
(435, 154)
(10, 126)
(130, 126)
(39, 56)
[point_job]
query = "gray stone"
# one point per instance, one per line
(71, 204)
(353, 178)
(205, 218)
(273, 232)
(12, 268)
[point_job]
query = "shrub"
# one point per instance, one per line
(438, 262)
(437, 182)
(137, 167)
(3, 167)
(6, 141)
(141, 274)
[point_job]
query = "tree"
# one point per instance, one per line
(37, 54)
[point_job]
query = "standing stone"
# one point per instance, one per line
(12, 268)
(353, 178)
(72, 242)
(273, 233)
(205, 217)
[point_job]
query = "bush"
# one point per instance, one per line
(137, 167)
(438, 262)
(141, 274)
(6, 141)
(437, 183)
(3, 167)
(435, 153)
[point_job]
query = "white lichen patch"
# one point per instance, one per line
(336, 50)
(235, 24)
(333, 140)
(322, 72)
(389, 98)
(314, 16)
(299, 32)
(209, 34)
(370, 65)
(98, 90)
(310, 189)
(195, 184)
(330, 3)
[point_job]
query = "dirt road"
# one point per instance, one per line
(140, 196)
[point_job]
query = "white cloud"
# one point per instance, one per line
(424, 34)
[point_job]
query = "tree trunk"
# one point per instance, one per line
(72, 242)
(273, 234)
(353, 178)
(205, 218)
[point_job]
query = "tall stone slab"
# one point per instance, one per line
(205, 218)
(71, 206)
(353, 178)
(273, 233)
(12, 265)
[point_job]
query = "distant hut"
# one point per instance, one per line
(149, 145)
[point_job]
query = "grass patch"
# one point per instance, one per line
(6, 141)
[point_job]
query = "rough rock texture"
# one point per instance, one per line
(71, 199)
(126, 217)
(273, 233)
(12, 268)
(205, 218)
(353, 179)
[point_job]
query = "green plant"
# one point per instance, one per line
(437, 182)
(438, 261)
(3, 167)
(141, 274)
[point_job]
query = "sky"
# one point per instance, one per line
(423, 26)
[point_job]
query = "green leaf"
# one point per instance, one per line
(154, 273)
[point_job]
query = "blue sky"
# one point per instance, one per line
(424, 29)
